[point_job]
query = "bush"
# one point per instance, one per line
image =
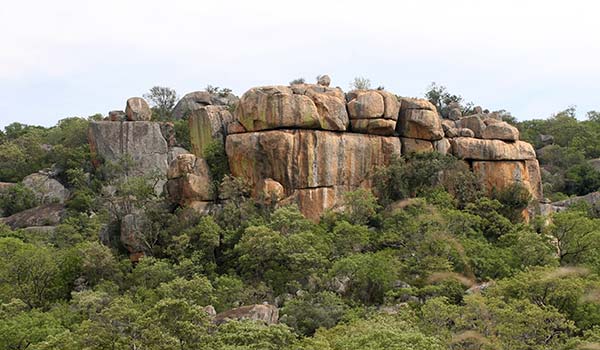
(16, 199)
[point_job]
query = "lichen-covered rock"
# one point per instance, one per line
(300, 106)
(365, 104)
(416, 145)
(379, 126)
(313, 202)
(442, 146)
(200, 99)
(268, 314)
(46, 189)
(308, 158)
(323, 80)
(269, 190)
(464, 132)
(498, 175)
(477, 149)
(117, 116)
(474, 123)
(208, 124)
(420, 120)
(44, 215)
(454, 114)
(188, 180)
(143, 142)
(500, 130)
(137, 109)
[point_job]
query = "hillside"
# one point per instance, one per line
(301, 217)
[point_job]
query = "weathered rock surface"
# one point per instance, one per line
(593, 199)
(500, 131)
(208, 124)
(373, 111)
(379, 126)
(117, 116)
(268, 314)
(133, 225)
(143, 142)
(324, 80)
(419, 119)
(477, 149)
(442, 146)
(46, 189)
(269, 190)
(308, 159)
(300, 106)
(137, 109)
(200, 99)
(44, 215)
(498, 175)
(188, 180)
(415, 145)
(474, 123)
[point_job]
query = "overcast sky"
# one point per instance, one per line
(66, 58)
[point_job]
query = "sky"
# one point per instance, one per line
(65, 58)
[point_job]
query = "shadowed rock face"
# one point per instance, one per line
(208, 124)
(44, 215)
(477, 149)
(497, 175)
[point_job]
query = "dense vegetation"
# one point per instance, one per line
(424, 262)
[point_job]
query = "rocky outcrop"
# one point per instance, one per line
(196, 100)
(137, 109)
(498, 175)
(416, 145)
(478, 149)
(309, 164)
(419, 120)
(142, 142)
(592, 199)
(298, 106)
(373, 111)
(188, 180)
(208, 124)
(46, 189)
(44, 215)
(268, 314)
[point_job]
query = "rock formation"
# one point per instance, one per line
(45, 188)
(309, 143)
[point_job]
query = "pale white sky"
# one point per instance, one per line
(65, 58)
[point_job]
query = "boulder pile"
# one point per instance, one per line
(309, 143)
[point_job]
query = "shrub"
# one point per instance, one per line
(17, 198)
(360, 83)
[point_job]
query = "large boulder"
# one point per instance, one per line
(300, 106)
(137, 109)
(416, 145)
(310, 165)
(308, 158)
(188, 180)
(373, 111)
(419, 120)
(477, 149)
(46, 189)
(44, 215)
(500, 131)
(498, 175)
(268, 314)
(474, 123)
(208, 124)
(143, 142)
(200, 99)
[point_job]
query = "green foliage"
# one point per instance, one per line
(163, 100)
(360, 83)
(298, 81)
(218, 165)
(443, 100)
(17, 198)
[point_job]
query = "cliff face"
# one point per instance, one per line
(311, 143)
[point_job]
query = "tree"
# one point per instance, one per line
(163, 100)
(16, 199)
(577, 236)
(309, 312)
(360, 83)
